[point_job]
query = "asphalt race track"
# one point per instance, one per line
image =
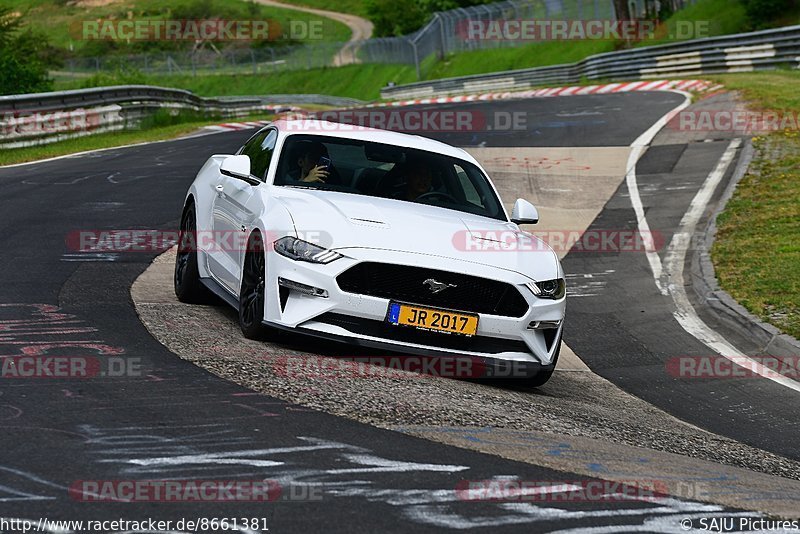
(177, 421)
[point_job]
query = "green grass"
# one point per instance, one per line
(63, 22)
(772, 90)
(354, 81)
(757, 250)
(156, 130)
(532, 55)
(708, 18)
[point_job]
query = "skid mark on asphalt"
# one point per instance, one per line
(347, 471)
(704, 481)
(587, 284)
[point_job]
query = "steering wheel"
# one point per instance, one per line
(440, 194)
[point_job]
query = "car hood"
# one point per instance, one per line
(342, 220)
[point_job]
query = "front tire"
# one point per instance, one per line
(188, 287)
(252, 295)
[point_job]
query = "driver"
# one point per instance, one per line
(418, 179)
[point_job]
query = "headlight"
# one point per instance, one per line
(299, 250)
(549, 289)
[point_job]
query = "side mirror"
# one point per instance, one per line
(524, 212)
(236, 167)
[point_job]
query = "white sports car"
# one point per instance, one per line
(374, 238)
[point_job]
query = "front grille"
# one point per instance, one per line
(408, 334)
(406, 284)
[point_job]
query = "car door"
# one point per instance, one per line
(232, 211)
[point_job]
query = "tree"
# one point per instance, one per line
(764, 12)
(396, 17)
(24, 58)
(621, 9)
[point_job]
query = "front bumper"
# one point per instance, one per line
(360, 319)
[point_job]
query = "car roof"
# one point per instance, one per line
(363, 133)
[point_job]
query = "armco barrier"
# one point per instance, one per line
(38, 118)
(762, 50)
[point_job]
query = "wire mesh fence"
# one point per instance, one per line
(447, 32)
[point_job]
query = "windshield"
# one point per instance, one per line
(386, 171)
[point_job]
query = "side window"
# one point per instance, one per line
(470, 192)
(260, 149)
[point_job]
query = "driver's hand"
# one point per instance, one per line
(317, 174)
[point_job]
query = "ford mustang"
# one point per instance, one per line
(374, 238)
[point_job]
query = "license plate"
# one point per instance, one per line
(432, 319)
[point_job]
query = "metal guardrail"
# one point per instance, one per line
(324, 100)
(762, 50)
(39, 118)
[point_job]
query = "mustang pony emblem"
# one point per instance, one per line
(436, 286)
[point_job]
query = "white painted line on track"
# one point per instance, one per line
(638, 147)
(669, 277)
(674, 260)
(202, 132)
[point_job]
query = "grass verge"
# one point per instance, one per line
(756, 253)
(156, 131)
(355, 81)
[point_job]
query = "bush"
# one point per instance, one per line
(400, 17)
(763, 12)
(395, 17)
(18, 76)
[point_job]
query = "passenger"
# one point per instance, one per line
(309, 169)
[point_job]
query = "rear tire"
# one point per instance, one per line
(252, 295)
(188, 287)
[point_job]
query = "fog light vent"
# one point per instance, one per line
(303, 288)
(543, 325)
